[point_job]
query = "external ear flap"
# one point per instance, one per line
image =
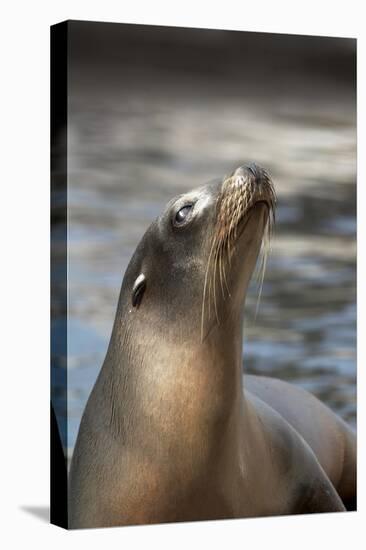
(138, 290)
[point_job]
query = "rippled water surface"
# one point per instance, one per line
(128, 155)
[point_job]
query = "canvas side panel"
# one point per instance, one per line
(59, 64)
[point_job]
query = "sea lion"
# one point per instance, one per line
(171, 430)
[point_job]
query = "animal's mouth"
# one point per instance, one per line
(246, 217)
(264, 202)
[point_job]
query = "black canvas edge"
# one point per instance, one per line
(177, 27)
(58, 89)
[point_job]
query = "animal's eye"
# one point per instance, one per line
(182, 214)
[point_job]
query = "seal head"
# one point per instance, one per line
(195, 261)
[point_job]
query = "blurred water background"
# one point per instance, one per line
(156, 112)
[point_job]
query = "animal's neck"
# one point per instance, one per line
(184, 393)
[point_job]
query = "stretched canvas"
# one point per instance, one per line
(203, 277)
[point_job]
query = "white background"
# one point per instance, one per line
(24, 288)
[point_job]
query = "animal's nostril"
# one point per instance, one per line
(255, 170)
(252, 173)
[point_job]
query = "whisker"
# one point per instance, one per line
(214, 290)
(205, 286)
(264, 253)
(220, 269)
(224, 271)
